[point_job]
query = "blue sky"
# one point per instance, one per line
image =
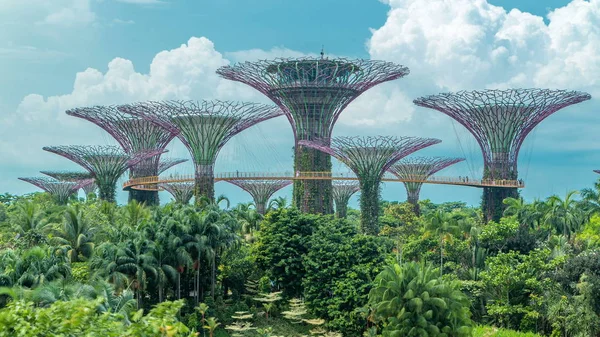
(68, 53)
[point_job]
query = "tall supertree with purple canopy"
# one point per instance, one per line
(182, 192)
(342, 191)
(370, 158)
(204, 128)
(415, 170)
(313, 92)
(261, 190)
(61, 191)
(135, 135)
(75, 177)
(105, 163)
(500, 120)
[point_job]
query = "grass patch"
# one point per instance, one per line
(490, 331)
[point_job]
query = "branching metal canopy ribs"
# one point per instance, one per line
(501, 119)
(261, 190)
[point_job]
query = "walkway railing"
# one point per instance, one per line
(146, 183)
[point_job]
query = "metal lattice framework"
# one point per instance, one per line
(73, 176)
(105, 163)
(342, 191)
(60, 190)
(500, 120)
(182, 192)
(369, 158)
(166, 164)
(261, 190)
(135, 135)
(204, 128)
(416, 168)
(313, 92)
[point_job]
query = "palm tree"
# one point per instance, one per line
(136, 215)
(211, 326)
(411, 301)
(75, 237)
(442, 225)
(105, 263)
(136, 259)
(37, 266)
(565, 216)
(279, 202)
(591, 198)
(248, 218)
(527, 214)
(31, 220)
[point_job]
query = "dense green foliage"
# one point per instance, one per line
(145, 271)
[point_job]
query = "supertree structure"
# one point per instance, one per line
(204, 128)
(60, 190)
(166, 164)
(370, 158)
(261, 190)
(73, 176)
(182, 192)
(500, 120)
(105, 163)
(342, 191)
(416, 170)
(312, 92)
(135, 135)
(597, 171)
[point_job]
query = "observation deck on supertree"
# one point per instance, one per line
(261, 190)
(342, 191)
(500, 120)
(135, 135)
(76, 177)
(105, 163)
(419, 168)
(312, 92)
(182, 192)
(60, 190)
(204, 128)
(370, 158)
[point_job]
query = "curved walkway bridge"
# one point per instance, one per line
(153, 183)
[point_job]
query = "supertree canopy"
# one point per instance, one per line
(60, 190)
(342, 191)
(135, 135)
(370, 158)
(105, 163)
(500, 120)
(166, 164)
(415, 170)
(204, 128)
(597, 171)
(182, 192)
(312, 92)
(76, 177)
(261, 190)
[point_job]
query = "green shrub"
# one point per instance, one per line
(410, 300)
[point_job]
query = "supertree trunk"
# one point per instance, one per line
(413, 199)
(106, 192)
(205, 184)
(341, 210)
(261, 207)
(369, 207)
(312, 196)
(149, 198)
(492, 201)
